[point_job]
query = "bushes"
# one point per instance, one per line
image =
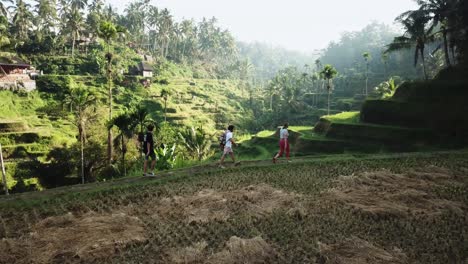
(54, 85)
(66, 65)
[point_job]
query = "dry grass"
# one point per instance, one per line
(383, 193)
(236, 250)
(70, 238)
(211, 205)
(358, 251)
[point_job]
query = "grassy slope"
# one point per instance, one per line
(423, 238)
(199, 104)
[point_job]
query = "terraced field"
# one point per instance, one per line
(399, 208)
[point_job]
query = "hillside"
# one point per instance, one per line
(33, 124)
(351, 209)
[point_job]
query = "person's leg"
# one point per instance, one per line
(222, 158)
(280, 153)
(287, 150)
(145, 165)
(232, 157)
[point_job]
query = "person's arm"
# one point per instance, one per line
(232, 141)
(148, 145)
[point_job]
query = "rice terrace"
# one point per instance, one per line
(306, 132)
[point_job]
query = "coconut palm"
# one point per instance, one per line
(108, 32)
(4, 37)
(75, 25)
(442, 15)
(4, 6)
(196, 141)
(329, 72)
(416, 35)
(21, 22)
(126, 125)
(46, 18)
(81, 100)
(165, 93)
(367, 57)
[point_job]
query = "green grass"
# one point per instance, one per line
(265, 133)
(344, 117)
(423, 238)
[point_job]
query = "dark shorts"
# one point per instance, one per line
(151, 155)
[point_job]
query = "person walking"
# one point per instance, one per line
(148, 150)
(284, 144)
(228, 147)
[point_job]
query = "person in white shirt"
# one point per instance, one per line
(228, 146)
(284, 143)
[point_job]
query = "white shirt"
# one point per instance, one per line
(228, 139)
(284, 133)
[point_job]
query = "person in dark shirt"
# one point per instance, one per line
(148, 149)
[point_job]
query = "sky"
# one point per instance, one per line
(302, 25)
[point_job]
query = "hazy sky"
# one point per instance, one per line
(304, 25)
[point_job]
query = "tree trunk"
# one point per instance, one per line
(328, 99)
(165, 110)
(367, 77)
(446, 52)
(73, 45)
(271, 102)
(123, 154)
(109, 134)
(109, 83)
(424, 64)
(82, 156)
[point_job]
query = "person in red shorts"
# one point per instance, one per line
(284, 143)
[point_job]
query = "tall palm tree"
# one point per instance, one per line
(81, 100)
(165, 93)
(78, 4)
(108, 32)
(329, 72)
(46, 18)
(126, 125)
(4, 36)
(416, 35)
(442, 14)
(140, 115)
(367, 57)
(4, 7)
(384, 58)
(165, 26)
(75, 25)
(22, 20)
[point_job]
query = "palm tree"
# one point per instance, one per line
(81, 100)
(415, 36)
(21, 22)
(367, 57)
(126, 125)
(75, 25)
(329, 72)
(384, 58)
(441, 14)
(165, 25)
(46, 17)
(4, 37)
(108, 32)
(140, 115)
(196, 141)
(165, 93)
(4, 7)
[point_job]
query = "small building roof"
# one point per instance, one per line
(13, 61)
(143, 66)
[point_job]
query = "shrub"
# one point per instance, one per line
(53, 85)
